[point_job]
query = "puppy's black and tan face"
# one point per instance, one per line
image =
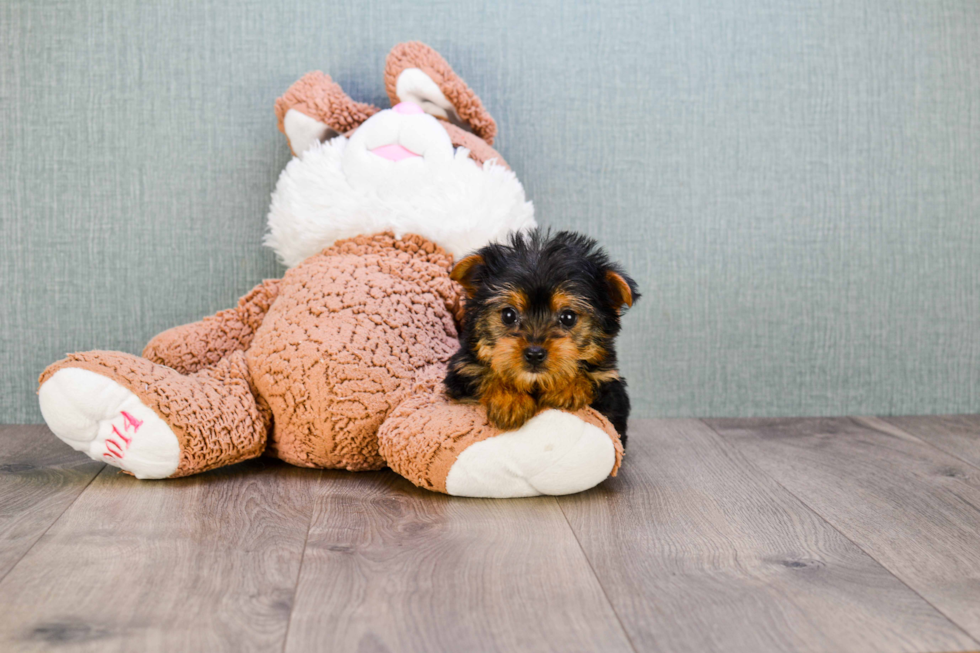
(541, 317)
(537, 338)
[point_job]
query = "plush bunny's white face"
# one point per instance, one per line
(398, 172)
(395, 152)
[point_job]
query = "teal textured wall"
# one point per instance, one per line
(795, 184)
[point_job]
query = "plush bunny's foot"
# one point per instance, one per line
(97, 416)
(553, 453)
(151, 420)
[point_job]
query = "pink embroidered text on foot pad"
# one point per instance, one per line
(97, 416)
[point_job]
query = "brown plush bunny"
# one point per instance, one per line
(339, 363)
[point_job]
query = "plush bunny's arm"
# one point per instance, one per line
(450, 447)
(194, 346)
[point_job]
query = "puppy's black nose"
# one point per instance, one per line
(535, 355)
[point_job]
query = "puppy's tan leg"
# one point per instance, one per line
(507, 408)
(574, 395)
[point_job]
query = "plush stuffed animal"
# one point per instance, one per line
(340, 363)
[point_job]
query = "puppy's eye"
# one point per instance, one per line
(508, 316)
(568, 318)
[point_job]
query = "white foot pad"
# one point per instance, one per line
(553, 453)
(97, 416)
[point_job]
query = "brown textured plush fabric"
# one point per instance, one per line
(424, 436)
(213, 413)
(344, 341)
(469, 108)
(320, 98)
(192, 347)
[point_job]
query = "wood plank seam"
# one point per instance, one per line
(598, 580)
(872, 423)
(299, 575)
(842, 534)
(53, 522)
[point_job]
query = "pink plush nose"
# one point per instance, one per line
(407, 108)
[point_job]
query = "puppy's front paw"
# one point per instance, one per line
(507, 408)
(571, 396)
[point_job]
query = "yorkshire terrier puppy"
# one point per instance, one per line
(540, 321)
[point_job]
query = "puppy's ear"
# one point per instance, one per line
(622, 289)
(464, 272)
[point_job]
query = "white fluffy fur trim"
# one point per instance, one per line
(462, 207)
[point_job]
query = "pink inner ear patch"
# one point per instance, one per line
(408, 108)
(394, 152)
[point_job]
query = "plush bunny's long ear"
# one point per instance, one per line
(414, 72)
(315, 108)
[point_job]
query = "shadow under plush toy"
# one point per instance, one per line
(340, 363)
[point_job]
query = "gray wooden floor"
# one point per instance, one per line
(850, 534)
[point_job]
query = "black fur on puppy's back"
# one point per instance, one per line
(537, 264)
